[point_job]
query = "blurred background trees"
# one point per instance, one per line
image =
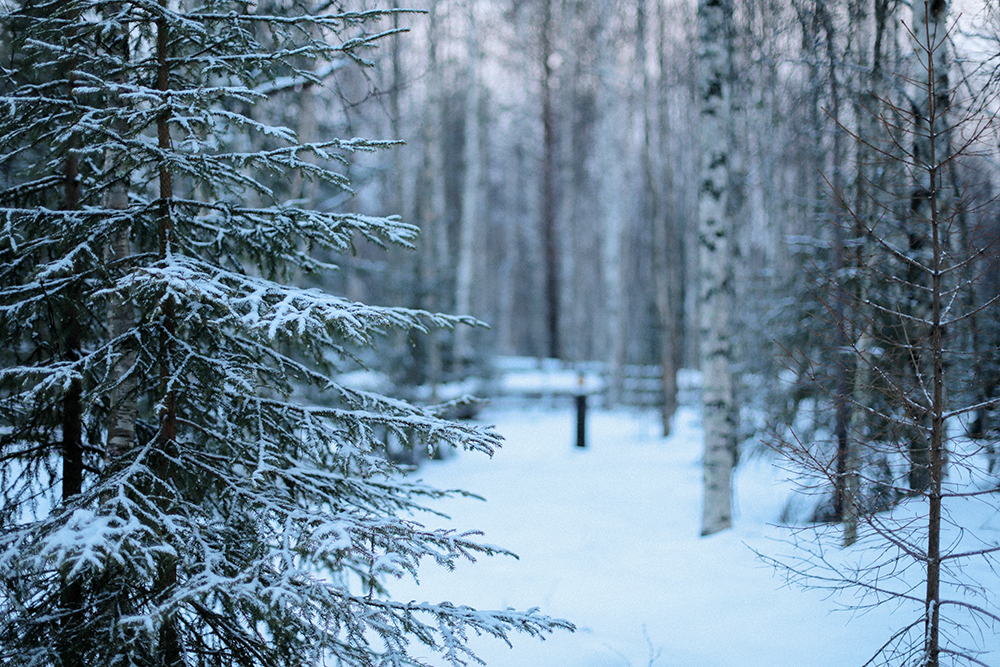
(579, 122)
(587, 149)
(552, 163)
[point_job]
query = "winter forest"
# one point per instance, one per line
(273, 273)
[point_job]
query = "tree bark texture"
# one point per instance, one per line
(169, 652)
(841, 376)
(715, 270)
(611, 179)
(72, 406)
(930, 143)
(71, 593)
(931, 147)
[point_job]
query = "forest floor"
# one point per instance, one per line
(608, 538)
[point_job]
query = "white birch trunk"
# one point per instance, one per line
(468, 230)
(549, 226)
(867, 80)
(714, 19)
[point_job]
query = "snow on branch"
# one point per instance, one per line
(267, 310)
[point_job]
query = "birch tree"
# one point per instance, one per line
(611, 180)
(715, 286)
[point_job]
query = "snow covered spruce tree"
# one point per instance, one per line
(167, 498)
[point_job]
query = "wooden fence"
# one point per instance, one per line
(550, 381)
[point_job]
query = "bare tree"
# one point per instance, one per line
(909, 544)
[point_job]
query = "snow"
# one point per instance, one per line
(608, 539)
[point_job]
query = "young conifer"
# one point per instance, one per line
(912, 479)
(168, 497)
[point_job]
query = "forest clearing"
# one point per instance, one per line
(608, 538)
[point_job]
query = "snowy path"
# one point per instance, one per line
(607, 538)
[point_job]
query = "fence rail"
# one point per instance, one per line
(550, 380)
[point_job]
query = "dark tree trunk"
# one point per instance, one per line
(550, 234)
(169, 651)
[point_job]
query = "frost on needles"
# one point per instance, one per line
(168, 499)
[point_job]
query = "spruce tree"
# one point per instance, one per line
(168, 496)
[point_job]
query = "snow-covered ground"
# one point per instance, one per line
(608, 539)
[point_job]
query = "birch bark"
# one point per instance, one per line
(715, 270)
(610, 179)
(868, 30)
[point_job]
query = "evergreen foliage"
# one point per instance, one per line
(167, 497)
